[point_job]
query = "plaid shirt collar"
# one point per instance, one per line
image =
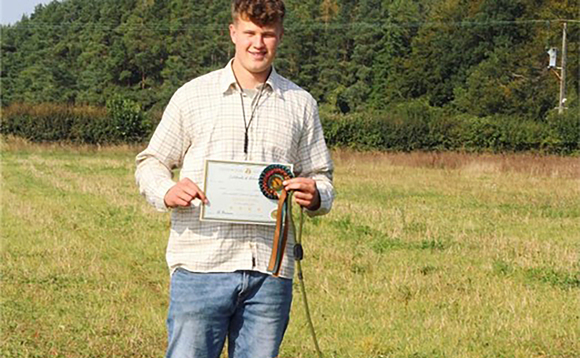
(228, 80)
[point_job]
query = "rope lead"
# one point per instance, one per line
(298, 255)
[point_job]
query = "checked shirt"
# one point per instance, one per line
(204, 120)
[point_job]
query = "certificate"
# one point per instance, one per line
(233, 191)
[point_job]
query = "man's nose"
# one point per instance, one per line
(258, 41)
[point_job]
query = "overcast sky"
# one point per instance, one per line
(12, 10)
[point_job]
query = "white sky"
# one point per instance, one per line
(12, 10)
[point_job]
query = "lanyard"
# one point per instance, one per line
(248, 123)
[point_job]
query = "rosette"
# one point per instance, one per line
(271, 184)
(272, 178)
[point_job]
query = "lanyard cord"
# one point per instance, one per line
(298, 255)
(248, 123)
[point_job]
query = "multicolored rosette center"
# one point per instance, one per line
(272, 178)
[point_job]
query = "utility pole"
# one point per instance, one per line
(563, 72)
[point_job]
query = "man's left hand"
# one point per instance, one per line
(305, 192)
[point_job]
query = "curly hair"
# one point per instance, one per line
(260, 12)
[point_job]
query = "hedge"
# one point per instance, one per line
(405, 127)
(417, 126)
(122, 121)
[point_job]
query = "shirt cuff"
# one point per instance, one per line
(160, 192)
(325, 200)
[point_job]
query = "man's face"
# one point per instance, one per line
(255, 45)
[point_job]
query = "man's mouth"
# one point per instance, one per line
(257, 55)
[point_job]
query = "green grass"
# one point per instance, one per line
(462, 259)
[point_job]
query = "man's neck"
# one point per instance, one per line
(249, 80)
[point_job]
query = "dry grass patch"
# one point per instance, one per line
(533, 164)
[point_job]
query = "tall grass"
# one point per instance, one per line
(423, 255)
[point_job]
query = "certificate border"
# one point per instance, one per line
(234, 221)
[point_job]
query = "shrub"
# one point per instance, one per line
(445, 133)
(408, 127)
(52, 122)
(417, 126)
(128, 120)
(565, 129)
(122, 121)
(356, 131)
(413, 125)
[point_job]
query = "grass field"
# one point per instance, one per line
(423, 255)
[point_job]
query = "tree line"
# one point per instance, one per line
(480, 58)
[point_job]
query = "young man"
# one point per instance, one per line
(220, 285)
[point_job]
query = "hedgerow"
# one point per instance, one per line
(418, 126)
(122, 121)
(405, 127)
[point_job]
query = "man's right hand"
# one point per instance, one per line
(182, 193)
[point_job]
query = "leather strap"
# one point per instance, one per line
(280, 235)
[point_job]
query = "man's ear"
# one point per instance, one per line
(233, 33)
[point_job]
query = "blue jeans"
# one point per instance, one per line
(251, 309)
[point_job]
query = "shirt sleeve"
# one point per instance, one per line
(314, 159)
(164, 153)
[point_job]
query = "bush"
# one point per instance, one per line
(565, 129)
(354, 131)
(504, 133)
(128, 120)
(408, 126)
(445, 133)
(417, 126)
(413, 125)
(122, 121)
(51, 122)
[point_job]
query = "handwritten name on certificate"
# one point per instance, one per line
(234, 195)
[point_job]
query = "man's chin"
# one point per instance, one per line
(263, 67)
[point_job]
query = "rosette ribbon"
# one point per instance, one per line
(271, 186)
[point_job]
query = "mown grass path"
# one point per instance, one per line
(424, 255)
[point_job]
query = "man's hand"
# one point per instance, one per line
(305, 192)
(182, 193)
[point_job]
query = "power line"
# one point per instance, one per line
(294, 25)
